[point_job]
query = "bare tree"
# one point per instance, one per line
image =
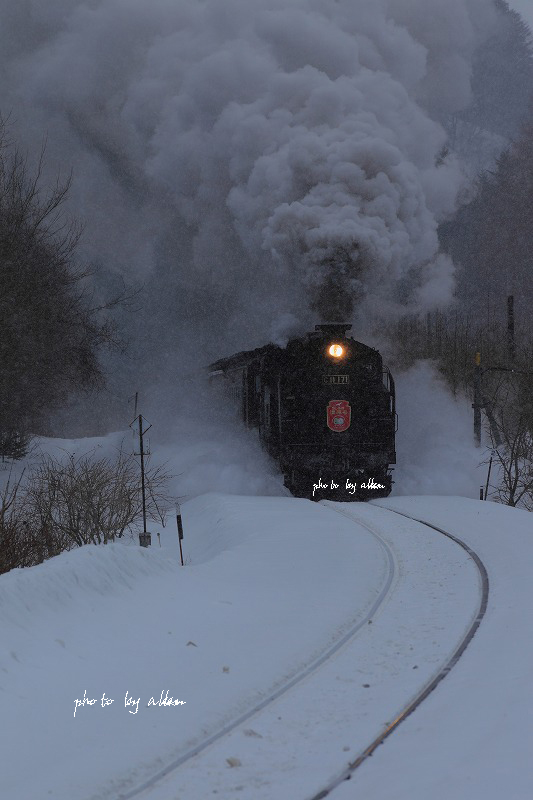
(50, 336)
(65, 503)
(15, 547)
(512, 422)
(85, 500)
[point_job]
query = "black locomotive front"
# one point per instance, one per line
(325, 409)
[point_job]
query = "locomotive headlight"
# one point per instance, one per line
(336, 350)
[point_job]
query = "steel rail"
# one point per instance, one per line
(347, 773)
(311, 667)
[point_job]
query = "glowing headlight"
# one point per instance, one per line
(336, 350)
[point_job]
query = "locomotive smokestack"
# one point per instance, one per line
(334, 328)
(341, 286)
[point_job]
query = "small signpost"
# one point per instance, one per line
(180, 529)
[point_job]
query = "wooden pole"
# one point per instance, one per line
(180, 529)
(476, 405)
(488, 478)
(143, 488)
(145, 538)
(511, 348)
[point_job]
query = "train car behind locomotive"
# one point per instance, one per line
(324, 406)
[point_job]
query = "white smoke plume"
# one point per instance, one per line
(250, 158)
(435, 440)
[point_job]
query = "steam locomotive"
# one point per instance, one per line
(324, 407)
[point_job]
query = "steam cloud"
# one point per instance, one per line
(262, 161)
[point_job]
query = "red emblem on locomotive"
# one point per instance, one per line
(339, 415)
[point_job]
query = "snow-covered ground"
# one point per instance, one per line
(269, 585)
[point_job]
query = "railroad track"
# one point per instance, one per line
(144, 788)
(347, 772)
(309, 669)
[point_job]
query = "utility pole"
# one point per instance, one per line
(145, 538)
(476, 405)
(511, 348)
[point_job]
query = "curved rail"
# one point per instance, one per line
(297, 678)
(445, 669)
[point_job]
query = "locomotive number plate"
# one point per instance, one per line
(336, 379)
